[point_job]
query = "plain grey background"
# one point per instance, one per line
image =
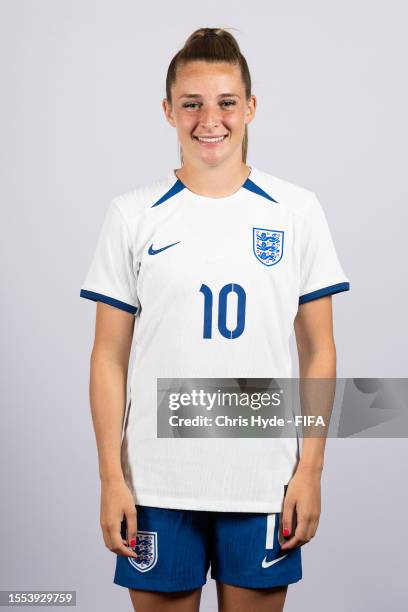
(82, 122)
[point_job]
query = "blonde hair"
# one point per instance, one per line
(211, 45)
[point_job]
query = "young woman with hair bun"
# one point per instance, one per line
(208, 269)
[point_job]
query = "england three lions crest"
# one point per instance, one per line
(268, 245)
(146, 549)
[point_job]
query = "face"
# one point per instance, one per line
(208, 100)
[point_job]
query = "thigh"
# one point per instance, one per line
(238, 599)
(172, 552)
(246, 552)
(184, 601)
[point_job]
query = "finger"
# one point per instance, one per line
(106, 535)
(123, 550)
(298, 538)
(131, 522)
(287, 518)
(293, 543)
(312, 529)
(308, 525)
(117, 545)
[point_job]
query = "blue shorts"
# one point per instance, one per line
(177, 547)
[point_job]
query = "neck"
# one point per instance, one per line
(213, 181)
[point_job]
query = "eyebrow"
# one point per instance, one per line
(229, 95)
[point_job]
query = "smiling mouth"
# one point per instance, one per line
(212, 139)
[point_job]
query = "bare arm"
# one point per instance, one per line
(108, 380)
(317, 359)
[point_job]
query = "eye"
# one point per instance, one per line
(225, 103)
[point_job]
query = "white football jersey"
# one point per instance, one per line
(215, 285)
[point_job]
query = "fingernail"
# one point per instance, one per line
(285, 532)
(132, 543)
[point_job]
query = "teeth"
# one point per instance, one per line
(219, 139)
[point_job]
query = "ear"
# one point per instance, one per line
(168, 112)
(251, 108)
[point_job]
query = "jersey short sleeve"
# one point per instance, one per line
(320, 270)
(112, 277)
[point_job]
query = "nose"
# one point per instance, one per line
(209, 118)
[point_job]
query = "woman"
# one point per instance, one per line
(217, 262)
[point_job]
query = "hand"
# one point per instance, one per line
(117, 501)
(303, 498)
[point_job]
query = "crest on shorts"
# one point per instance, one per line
(268, 245)
(146, 549)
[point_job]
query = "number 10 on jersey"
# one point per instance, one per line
(231, 334)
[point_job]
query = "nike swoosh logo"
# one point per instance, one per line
(266, 563)
(153, 251)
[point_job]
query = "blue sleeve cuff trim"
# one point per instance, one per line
(307, 297)
(99, 297)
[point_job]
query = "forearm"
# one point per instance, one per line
(317, 364)
(108, 400)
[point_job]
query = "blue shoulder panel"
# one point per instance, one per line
(178, 186)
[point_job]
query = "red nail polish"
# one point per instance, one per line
(285, 532)
(132, 543)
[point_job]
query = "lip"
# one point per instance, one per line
(210, 144)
